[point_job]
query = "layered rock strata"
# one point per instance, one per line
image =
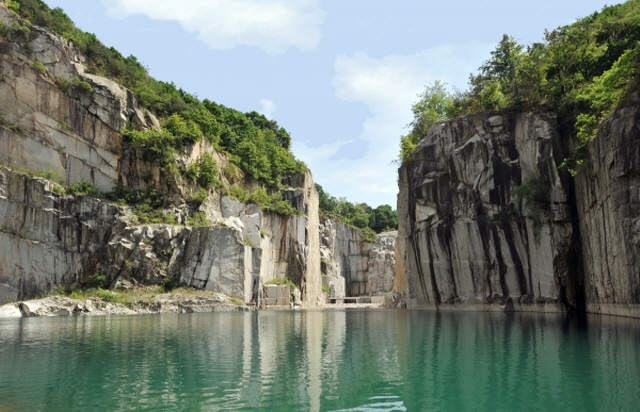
(58, 119)
(470, 239)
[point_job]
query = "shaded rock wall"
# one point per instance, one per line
(608, 204)
(47, 239)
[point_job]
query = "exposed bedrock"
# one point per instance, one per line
(62, 122)
(352, 267)
(608, 204)
(49, 239)
(469, 239)
(488, 222)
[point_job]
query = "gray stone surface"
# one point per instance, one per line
(75, 133)
(50, 239)
(608, 200)
(468, 241)
(353, 267)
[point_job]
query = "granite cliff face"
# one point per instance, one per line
(488, 222)
(608, 207)
(353, 267)
(59, 119)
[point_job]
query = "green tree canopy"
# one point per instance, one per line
(382, 218)
(582, 71)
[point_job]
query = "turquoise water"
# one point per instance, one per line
(329, 360)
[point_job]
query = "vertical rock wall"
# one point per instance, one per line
(47, 239)
(60, 119)
(468, 239)
(488, 223)
(69, 130)
(291, 245)
(608, 204)
(353, 267)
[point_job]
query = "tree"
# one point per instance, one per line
(503, 68)
(383, 218)
(435, 104)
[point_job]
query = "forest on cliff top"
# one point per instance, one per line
(582, 71)
(257, 148)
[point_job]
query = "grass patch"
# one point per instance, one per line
(282, 281)
(199, 219)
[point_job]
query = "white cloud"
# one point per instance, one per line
(273, 25)
(388, 86)
(268, 107)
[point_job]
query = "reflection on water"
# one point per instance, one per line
(320, 361)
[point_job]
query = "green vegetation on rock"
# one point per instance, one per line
(257, 148)
(360, 215)
(282, 281)
(583, 72)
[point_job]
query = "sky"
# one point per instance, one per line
(339, 75)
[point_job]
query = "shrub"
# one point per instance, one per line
(81, 85)
(83, 188)
(39, 67)
(534, 191)
(208, 172)
(282, 281)
(48, 174)
(63, 84)
(186, 131)
(199, 219)
(146, 214)
(199, 196)
(238, 193)
(368, 235)
(232, 172)
(58, 291)
(170, 283)
(158, 146)
(97, 281)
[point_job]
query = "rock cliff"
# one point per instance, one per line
(488, 222)
(608, 207)
(353, 267)
(59, 119)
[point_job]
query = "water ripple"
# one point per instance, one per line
(319, 361)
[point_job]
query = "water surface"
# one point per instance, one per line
(330, 360)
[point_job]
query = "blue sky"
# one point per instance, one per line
(340, 76)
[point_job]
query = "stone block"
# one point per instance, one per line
(284, 291)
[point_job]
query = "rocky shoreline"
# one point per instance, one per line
(163, 303)
(95, 306)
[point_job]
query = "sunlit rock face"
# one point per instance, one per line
(56, 116)
(470, 239)
(352, 267)
(488, 221)
(59, 119)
